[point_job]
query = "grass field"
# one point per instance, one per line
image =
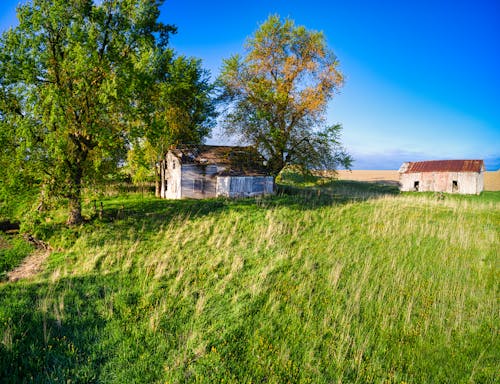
(12, 252)
(491, 179)
(347, 283)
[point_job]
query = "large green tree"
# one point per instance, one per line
(179, 109)
(277, 96)
(70, 75)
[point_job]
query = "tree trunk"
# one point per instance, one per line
(162, 178)
(276, 164)
(74, 193)
(75, 211)
(157, 180)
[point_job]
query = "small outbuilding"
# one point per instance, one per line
(451, 176)
(210, 171)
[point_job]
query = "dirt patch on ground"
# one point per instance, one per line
(30, 266)
(4, 244)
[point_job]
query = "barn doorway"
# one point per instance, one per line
(416, 185)
(454, 186)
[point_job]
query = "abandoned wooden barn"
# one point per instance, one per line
(451, 176)
(211, 171)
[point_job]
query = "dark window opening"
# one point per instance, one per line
(454, 185)
(416, 185)
(199, 185)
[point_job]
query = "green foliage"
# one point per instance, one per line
(69, 79)
(12, 251)
(178, 108)
(182, 108)
(16, 201)
(278, 94)
(140, 163)
(299, 288)
(293, 175)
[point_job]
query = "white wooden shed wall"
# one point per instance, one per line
(244, 186)
(450, 182)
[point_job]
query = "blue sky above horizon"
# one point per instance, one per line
(422, 78)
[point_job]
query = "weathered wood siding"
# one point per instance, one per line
(198, 181)
(244, 186)
(450, 182)
(172, 186)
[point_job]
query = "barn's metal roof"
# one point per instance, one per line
(443, 166)
(236, 160)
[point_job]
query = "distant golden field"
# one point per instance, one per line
(491, 179)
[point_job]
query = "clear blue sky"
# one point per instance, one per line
(422, 77)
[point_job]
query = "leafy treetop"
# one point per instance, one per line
(278, 94)
(70, 75)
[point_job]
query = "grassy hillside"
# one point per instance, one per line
(308, 288)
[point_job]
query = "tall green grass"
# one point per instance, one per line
(13, 249)
(305, 288)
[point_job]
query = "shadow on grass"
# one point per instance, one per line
(49, 331)
(86, 329)
(147, 213)
(160, 211)
(338, 192)
(137, 208)
(79, 329)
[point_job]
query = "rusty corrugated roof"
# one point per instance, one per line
(445, 166)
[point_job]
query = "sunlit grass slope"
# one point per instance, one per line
(300, 289)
